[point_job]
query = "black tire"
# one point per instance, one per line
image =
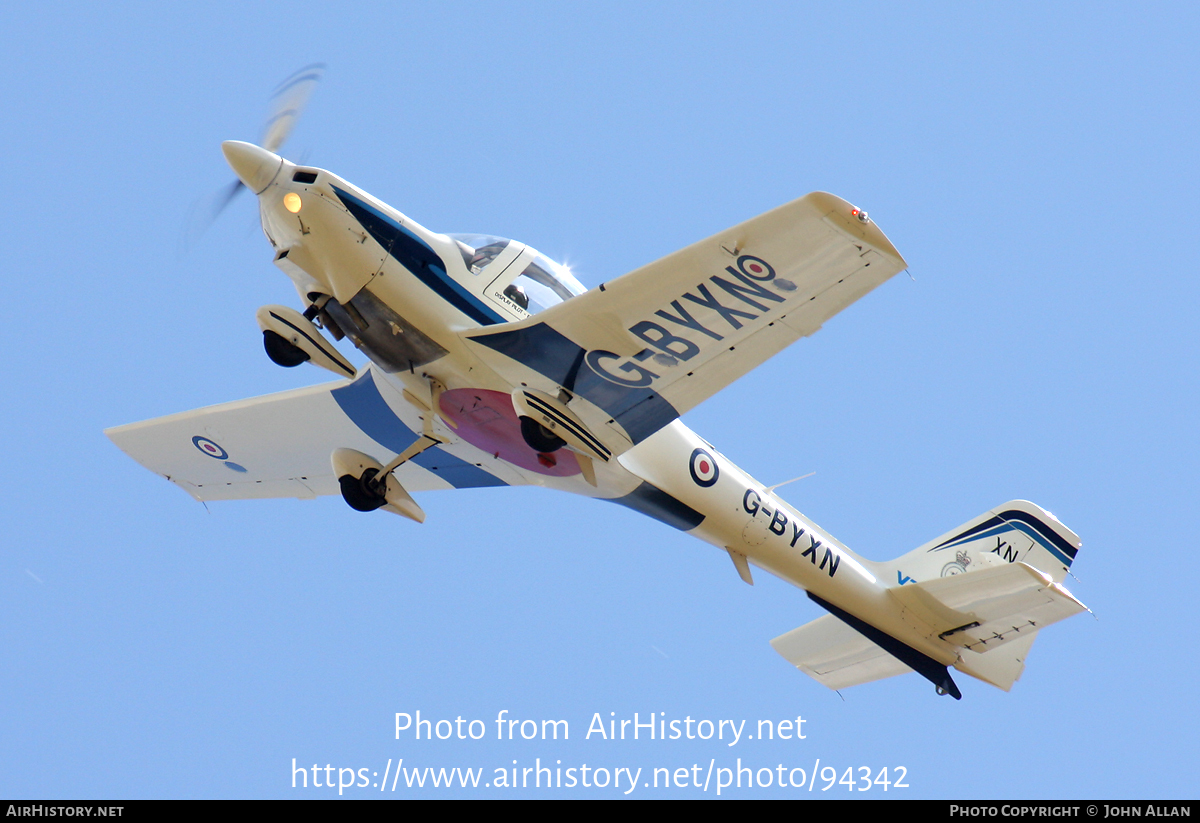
(539, 438)
(358, 494)
(281, 352)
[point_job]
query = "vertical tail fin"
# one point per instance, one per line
(1017, 532)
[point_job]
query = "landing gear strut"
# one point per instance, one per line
(367, 485)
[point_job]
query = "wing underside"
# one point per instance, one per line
(279, 445)
(645, 348)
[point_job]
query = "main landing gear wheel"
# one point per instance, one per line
(539, 438)
(359, 493)
(282, 352)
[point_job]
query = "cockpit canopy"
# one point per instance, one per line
(541, 284)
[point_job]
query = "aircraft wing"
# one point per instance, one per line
(279, 445)
(835, 655)
(648, 346)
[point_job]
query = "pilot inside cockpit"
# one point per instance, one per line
(517, 294)
(543, 283)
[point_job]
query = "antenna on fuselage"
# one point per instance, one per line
(793, 480)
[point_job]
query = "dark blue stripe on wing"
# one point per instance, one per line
(363, 404)
(640, 411)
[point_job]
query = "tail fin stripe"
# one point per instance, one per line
(991, 528)
(1054, 537)
(1022, 522)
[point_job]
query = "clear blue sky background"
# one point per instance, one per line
(1036, 166)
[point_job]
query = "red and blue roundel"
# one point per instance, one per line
(210, 448)
(214, 450)
(703, 468)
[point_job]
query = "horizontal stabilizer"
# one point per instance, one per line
(836, 655)
(1000, 666)
(986, 608)
(993, 615)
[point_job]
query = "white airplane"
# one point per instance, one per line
(492, 366)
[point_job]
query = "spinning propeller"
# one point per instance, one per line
(287, 104)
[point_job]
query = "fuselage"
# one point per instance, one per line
(406, 296)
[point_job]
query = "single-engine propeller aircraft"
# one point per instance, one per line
(492, 366)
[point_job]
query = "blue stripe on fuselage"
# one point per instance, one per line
(652, 501)
(415, 255)
(363, 404)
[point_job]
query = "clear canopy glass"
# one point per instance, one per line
(543, 283)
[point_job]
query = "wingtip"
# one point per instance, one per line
(854, 221)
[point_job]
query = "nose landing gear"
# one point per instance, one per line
(290, 339)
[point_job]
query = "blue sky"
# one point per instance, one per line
(1037, 168)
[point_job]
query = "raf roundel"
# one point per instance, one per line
(210, 448)
(756, 268)
(214, 451)
(703, 468)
